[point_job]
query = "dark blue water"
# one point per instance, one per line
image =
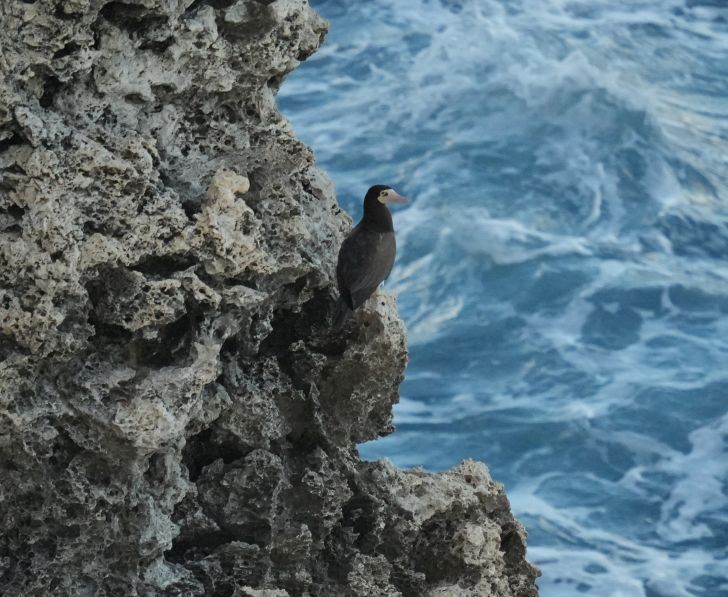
(563, 267)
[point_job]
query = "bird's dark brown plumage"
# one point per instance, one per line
(367, 255)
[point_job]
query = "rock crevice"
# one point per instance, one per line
(176, 417)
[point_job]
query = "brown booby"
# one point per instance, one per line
(367, 254)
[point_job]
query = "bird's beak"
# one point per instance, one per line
(394, 197)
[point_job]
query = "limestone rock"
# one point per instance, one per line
(176, 417)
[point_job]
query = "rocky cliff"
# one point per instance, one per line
(176, 417)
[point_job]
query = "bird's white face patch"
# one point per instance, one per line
(390, 196)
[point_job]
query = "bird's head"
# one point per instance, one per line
(382, 194)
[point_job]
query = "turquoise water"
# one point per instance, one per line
(563, 266)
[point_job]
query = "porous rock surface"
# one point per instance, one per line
(176, 417)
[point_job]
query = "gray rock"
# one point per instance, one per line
(176, 417)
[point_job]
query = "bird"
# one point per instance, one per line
(367, 254)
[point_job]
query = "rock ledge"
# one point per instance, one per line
(176, 417)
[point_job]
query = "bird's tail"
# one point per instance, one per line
(342, 312)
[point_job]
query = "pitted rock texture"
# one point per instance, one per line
(176, 417)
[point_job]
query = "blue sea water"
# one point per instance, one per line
(563, 264)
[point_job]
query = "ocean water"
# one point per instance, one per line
(562, 267)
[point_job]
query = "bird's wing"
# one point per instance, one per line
(365, 262)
